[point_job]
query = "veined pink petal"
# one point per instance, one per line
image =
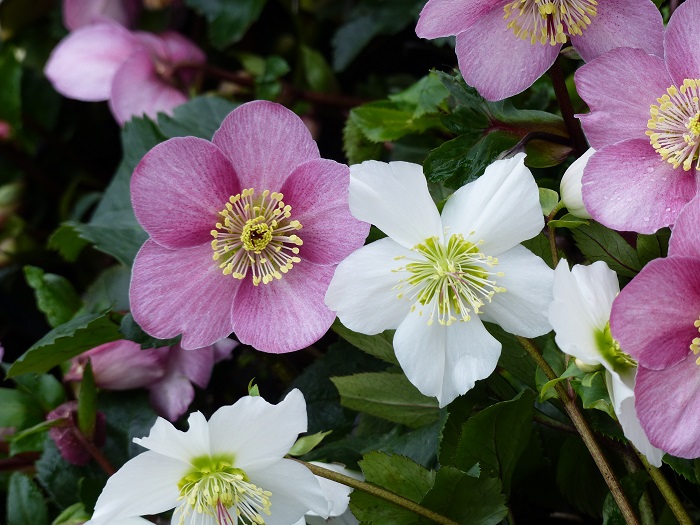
(682, 42)
(137, 90)
(85, 62)
(498, 63)
(622, 23)
(178, 190)
(265, 143)
(619, 102)
(653, 316)
(317, 191)
(181, 291)
(685, 238)
(79, 13)
(628, 186)
(668, 406)
(287, 314)
(450, 17)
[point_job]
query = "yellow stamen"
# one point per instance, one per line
(549, 21)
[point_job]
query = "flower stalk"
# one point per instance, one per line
(378, 492)
(586, 434)
(578, 139)
(667, 492)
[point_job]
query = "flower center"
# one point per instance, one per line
(549, 20)
(610, 350)
(674, 126)
(451, 280)
(257, 235)
(215, 488)
(695, 345)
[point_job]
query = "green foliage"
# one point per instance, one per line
(228, 21)
(199, 117)
(131, 331)
(55, 295)
(599, 243)
(379, 345)
(318, 73)
(578, 478)
(548, 200)
(653, 246)
(25, 502)
(568, 221)
(306, 444)
(387, 395)
(10, 87)
(19, 409)
(87, 403)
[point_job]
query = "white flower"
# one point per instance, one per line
(222, 472)
(432, 275)
(580, 316)
(338, 497)
(570, 187)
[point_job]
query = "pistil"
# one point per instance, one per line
(549, 21)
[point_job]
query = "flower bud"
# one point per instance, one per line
(67, 442)
(570, 188)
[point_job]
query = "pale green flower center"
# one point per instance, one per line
(257, 235)
(610, 350)
(695, 345)
(674, 126)
(549, 21)
(452, 280)
(214, 487)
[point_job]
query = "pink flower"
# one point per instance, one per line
(503, 46)
(644, 122)
(656, 320)
(5, 130)
(66, 437)
(168, 372)
(137, 72)
(246, 232)
(79, 13)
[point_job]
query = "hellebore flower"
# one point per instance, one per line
(503, 46)
(580, 316)
(571, 186)
(168, 372)
(655, 319)
(136, 72)
(435, 278)
(644, 124)
(338, 497)
(79, 13)
(224, 471)
(246, 232)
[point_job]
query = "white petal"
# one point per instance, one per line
(445, 361)
(581, 308)
(295, 491)
(362, 290)
(337, 494)
(256, 432)
(621, 390)
(500, 208)
(522, 308)
(146, 484)
(394, 197)
(570, 187)
(165, 439)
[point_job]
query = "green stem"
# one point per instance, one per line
(378, 492)
(586, 434)
(667, 492)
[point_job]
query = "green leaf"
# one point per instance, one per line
(384, 121)
(397, 474)
(19, 409)
(317, 72)
(594, 393)
(65, 342)
(55, 295)
(356, 146)
(461, 160)
(599, 243)
(651, 247)
(547, 390)
(109, 290)
(25, 502)
(496, 437)
(131, 331)
(466, 499)
(73, 515)
(67, 241)
(387, 395)
(10, 87)
(423, 97)
(548, 200)
(379, 345)
(267, 85)
(228, 21)
(306, 444)
(87, 403)
(539, 245)
(44, 388)
(568, 221)
(578, 478)
(199, 117)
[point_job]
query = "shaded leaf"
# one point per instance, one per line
(55, 295)
(25, 502)
(597, 242)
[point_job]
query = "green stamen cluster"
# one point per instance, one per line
(611, 352)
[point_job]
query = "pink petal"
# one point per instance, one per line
(265, 143)
(172, 395)
(628, 186)
(138, 90)
(450, 17)
(685, 239)
(195, 365)
(318, 193)
(668, 406)
(181, 49)
(653, 316)
(622, 23)
(287, 314)
(496, 62)
(181, 291)
(682, 42)
(79, 13)
(619, 102)
(222, 349)
(178, 189)
(84, 63)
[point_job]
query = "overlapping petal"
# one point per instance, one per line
(441, 18)
(685, 238)
(682, 43)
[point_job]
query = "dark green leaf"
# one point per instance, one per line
(19, 409)
(384, 121)
(130, 329)
(318, 74)
(228, 21)
(67, 241)
(539, 245)
(597, 242)
(55, 295)
(379, 345)
(87, 403)
(578, 478)
(199, 117)
(568, 221)
(267, 85)
(425, 96)
(10, 87)
(356, 146)
(25, 502)
(651, 247)
(44, 388)
(66, 341)
(109, 290)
